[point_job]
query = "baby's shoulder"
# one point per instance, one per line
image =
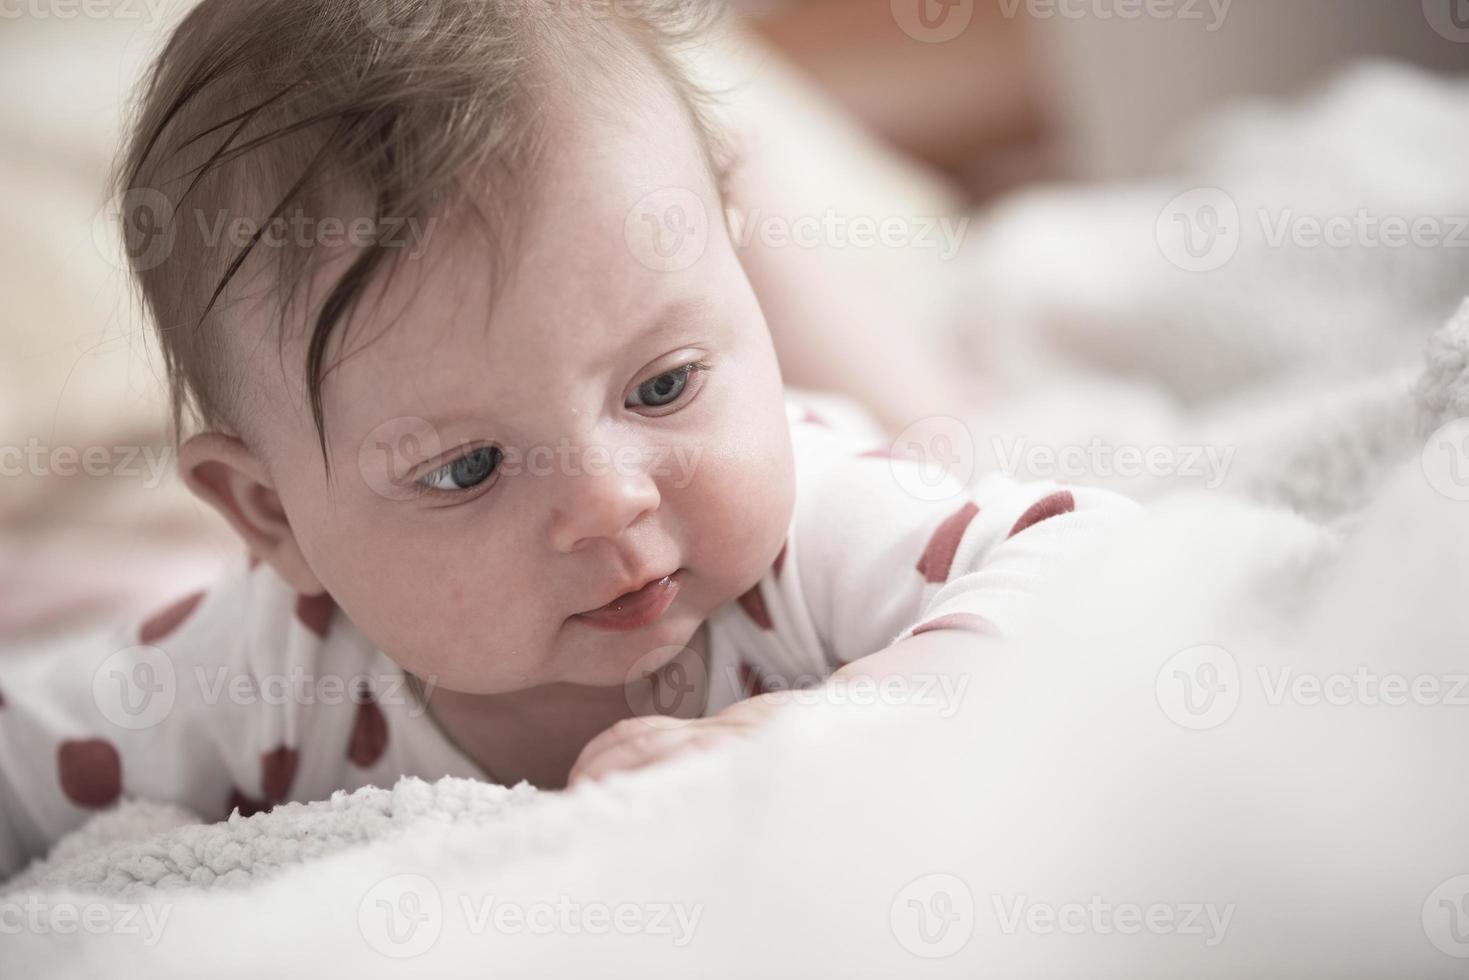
(248, 611)
(246, 642)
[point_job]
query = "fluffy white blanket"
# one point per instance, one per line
(1234, 749)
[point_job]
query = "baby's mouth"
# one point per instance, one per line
(635, 609)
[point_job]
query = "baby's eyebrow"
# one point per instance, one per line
(672, 315)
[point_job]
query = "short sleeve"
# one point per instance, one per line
(886, 555)
(182, 707)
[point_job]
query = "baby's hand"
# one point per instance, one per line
(636, 742)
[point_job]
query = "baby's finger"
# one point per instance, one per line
(626, 730)
(619, 742)
(640, 753)
(621, 756)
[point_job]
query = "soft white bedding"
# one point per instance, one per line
(1268, 834)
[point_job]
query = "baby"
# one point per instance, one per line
(475, 373)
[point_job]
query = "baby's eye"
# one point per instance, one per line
(466, 472)
(664, 389)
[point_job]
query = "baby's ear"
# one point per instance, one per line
(222, 471)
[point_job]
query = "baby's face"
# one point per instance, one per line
(622, 461)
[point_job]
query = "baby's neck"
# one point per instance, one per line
(535, 734)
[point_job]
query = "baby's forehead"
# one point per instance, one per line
(519, 266)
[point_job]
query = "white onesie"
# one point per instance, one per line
(247, 694)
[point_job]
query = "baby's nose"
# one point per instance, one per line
(599, 504)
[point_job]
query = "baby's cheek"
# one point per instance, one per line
(746, 495)
(432, 606)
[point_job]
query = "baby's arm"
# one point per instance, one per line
(153, 710)
(634, 743)
(91, 719)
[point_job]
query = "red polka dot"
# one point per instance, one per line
(780, 560)
(813, 419)
(754, 606)
(247, 805)
(938, 556)
(369, 732)
(752, 681)
(315, 612)
(163, 623)
(881, 452)
(972, 622)
(90, 771)
(1060, 502)
(277, 772)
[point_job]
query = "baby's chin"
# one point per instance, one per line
(581, 655)
(610, 659)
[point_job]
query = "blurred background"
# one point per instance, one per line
(958, 104)
(1078, 88)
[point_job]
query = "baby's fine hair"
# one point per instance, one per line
(375, 113)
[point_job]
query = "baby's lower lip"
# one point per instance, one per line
(636, 609)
